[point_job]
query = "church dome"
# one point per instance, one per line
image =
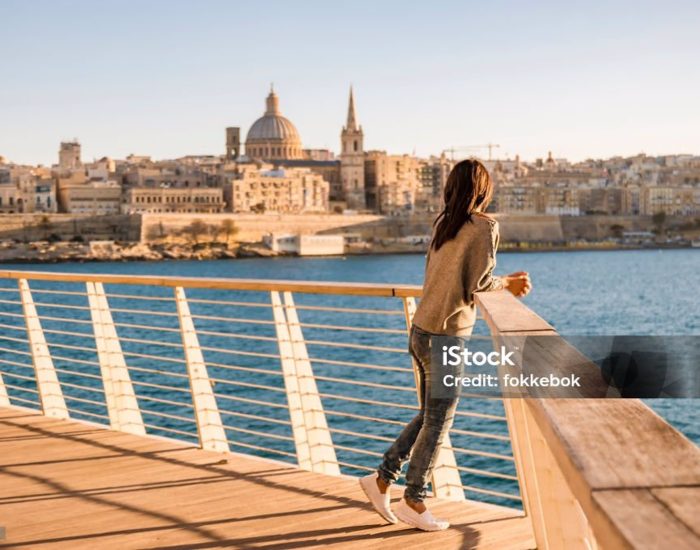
(273, 136)
(273, 127)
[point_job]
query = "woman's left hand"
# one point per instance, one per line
(518, 283)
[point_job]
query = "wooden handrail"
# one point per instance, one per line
(635, 478)
(307, 287)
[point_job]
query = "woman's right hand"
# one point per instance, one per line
(518, 283)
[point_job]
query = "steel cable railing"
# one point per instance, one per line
(355, 343)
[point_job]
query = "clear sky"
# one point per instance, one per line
(164, 78)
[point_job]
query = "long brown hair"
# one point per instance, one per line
(468, 188)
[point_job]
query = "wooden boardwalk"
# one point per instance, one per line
(69, 484)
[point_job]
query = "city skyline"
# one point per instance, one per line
(531, 80)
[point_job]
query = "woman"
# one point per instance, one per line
(460, 261)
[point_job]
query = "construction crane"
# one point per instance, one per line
(489, 146)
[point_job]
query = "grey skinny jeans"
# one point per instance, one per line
(421, 438)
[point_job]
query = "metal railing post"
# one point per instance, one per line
(291, 384)
(323, 457)
(50, 393)
(4, 398)
(446, 480)
(212, 436)
(122, 405)
(314, 446)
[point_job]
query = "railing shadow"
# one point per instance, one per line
(215, 473)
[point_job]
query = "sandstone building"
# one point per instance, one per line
(269, 189)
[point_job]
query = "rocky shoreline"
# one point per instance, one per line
(46, 252)
(108, 251)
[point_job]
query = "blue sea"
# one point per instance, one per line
(645, 292)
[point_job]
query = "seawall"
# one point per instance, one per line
(251, 227)
(37, 227)
(538, 228)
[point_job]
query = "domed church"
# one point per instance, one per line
(272, 136)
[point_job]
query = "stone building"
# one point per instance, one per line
(517, 199)
(392, 182)
(201, 200)
(432, 177)
(269, 189)
(26, 190)
(10, 196)
(69, 156)
(95, 197)
(329, 170)
(603, 200)
(684, 201)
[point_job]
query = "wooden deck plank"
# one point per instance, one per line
(69, 484)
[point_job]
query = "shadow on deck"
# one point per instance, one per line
(76, 485)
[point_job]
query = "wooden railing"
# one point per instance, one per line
(594, 473)
(316, 373)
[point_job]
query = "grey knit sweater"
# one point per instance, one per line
(462, 266)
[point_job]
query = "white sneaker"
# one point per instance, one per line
(380, 501)
(424, 521)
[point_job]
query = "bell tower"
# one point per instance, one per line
(352, 160)
(233, 143)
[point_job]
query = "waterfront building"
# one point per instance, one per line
(38, 194)
(94, 197)
(10, 198)
(329, 170)
(683, 201)
(267, 189)
(272, 136)
(517, 199)
(631, 200)
(26, 190)
(657, 199)
(202, 200)
(392, 182)
(603, 200)
(560, 201)
(432, 177)
(306, 245)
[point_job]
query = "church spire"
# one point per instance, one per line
(352, 122)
